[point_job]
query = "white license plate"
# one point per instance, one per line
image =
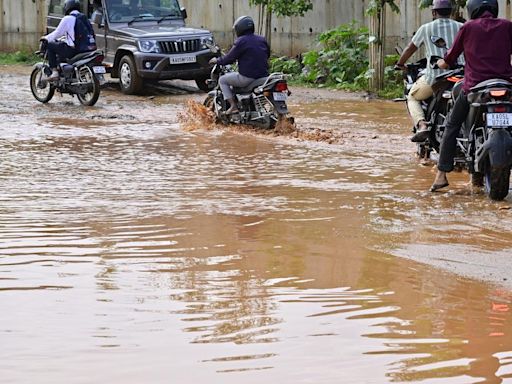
(182, 59)
(99, 70)
(499, 119)
(280, 96)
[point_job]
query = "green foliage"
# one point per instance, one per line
(375, 6)
(18, 57)
(341, 60)
(285, 7)
(291, 67)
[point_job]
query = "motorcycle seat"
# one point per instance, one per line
(490, 83)
(250, 87)
(80, 56)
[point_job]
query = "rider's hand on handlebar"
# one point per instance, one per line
(442, 64)
(399, 67)
(213, 61)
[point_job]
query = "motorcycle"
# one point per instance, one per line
(81, 76)
(485, 142)
(262, 103)
(437, 107)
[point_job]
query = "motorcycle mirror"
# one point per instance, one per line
(438, 41)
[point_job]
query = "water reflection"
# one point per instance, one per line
(130, 253)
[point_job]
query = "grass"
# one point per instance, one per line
(18, 57)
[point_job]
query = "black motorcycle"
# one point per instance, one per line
(262, 103)
(485, 142)
(437, 107)
(80, 76)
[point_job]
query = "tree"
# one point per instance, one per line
(280, 8)
(376, 12)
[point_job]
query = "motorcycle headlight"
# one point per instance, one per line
(207, 42)
(149, 46)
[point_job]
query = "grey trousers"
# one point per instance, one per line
(233, 79)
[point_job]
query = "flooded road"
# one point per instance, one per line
(134, 251)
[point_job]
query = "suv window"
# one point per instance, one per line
(123, 11)
(56, 7)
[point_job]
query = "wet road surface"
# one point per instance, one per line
(132, 250)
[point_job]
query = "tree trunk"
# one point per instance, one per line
(376, 50)
(268, 27)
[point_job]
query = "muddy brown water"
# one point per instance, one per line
(134, 251)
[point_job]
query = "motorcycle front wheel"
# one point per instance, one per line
(42, 90)
(213, 104)
(86, 76)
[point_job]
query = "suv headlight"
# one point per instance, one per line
(149, 46)
(207, 42)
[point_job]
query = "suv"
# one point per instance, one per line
(145, 40)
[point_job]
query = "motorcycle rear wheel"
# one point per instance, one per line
(86, 75)
(497, 182)
(43, 91)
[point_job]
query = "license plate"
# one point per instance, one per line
(499, 119)
(280, 96)
(99, 70)
(182, 59)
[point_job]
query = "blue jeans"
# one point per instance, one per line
(59, 52)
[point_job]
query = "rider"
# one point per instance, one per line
(252, 52)
(66, 29)
(487, 45)
(442, 27)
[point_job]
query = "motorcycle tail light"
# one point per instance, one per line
(281, 87)
(500, 109)
(99, 59)
(498, 92)
(454, 79)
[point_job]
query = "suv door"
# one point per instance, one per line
(100, 30)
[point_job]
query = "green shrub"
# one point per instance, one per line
(342, 57)
(286, 65)
(18, 57)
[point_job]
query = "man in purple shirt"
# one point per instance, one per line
(252, 52)
(487, 45)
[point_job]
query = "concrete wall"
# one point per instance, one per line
(22, 22)
(295, 35)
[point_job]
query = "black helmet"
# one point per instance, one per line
(477, 7)
(71, 5)
(243, 25)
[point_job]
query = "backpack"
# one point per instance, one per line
(85, 39)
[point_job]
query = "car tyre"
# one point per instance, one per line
(201, 83)
(129, 80)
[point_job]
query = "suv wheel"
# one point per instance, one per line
(129, 80)
(201, 83)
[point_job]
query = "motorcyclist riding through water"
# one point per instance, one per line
(486, 42)
(61, 42)
(252, 53)
(442, 27)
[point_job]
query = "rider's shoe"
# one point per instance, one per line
(53, 77)
(422, 133)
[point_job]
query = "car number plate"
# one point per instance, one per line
(280, 96)
(182, 59)
(99, 69)
(499, 119)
